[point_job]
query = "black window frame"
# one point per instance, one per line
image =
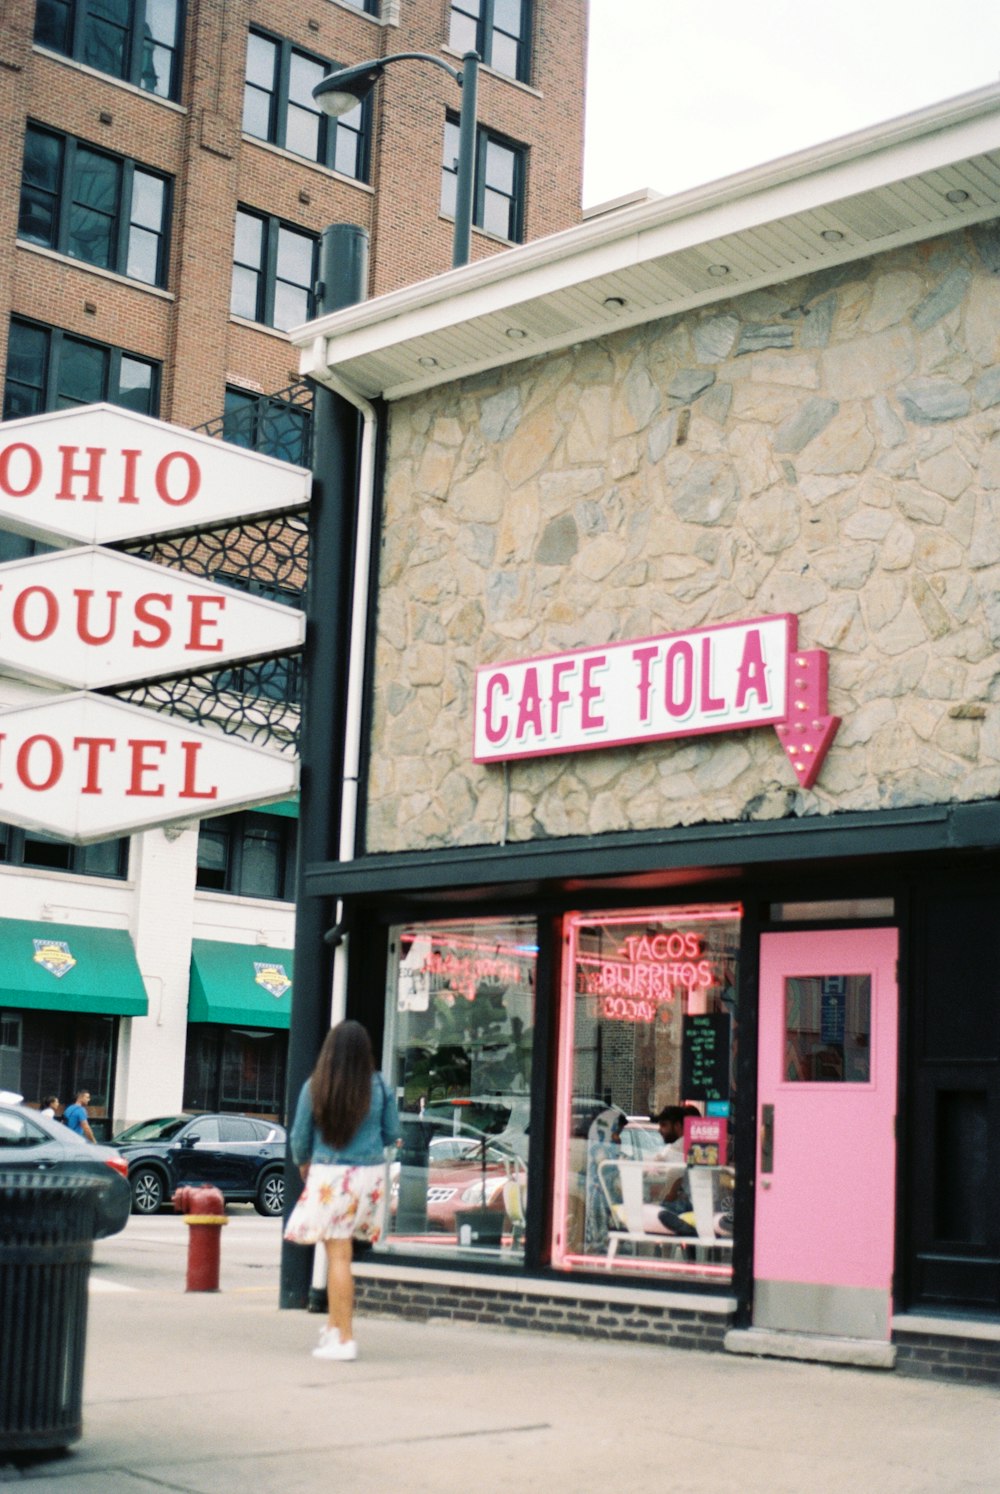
(267, 271)
(50, 395)
(485, 138)
(279, 101)
(237, 830)
(64, 202)
(279, 678)
(255, 421)
(78, 28)
(478, 20)
(17, 848)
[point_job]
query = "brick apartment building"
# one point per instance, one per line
(176, 175)
(168, 179)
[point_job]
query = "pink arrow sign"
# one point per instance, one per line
(725, 677)
(808, 731)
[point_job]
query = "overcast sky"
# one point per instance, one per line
(680, 94)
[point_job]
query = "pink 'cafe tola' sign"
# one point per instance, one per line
(728, 677)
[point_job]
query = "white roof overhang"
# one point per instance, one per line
(923, 175)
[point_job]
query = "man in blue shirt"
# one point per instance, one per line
(75, 1115)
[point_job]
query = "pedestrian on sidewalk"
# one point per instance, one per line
(76, 1115)
(345, 1119)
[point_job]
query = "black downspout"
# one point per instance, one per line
(343, 272)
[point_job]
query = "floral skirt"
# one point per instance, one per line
(339, 1203)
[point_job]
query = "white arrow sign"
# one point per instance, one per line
(85, 767)
(98, 473)
(90, 617)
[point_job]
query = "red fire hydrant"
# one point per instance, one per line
(203, 1208)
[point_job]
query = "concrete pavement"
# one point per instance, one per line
(218, 1393)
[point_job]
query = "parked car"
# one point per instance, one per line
(31, 1142)
(464, 1171)
(240, 1155)
(641, 1140)
(503, 1117)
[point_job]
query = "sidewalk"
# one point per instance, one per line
(217, 1393)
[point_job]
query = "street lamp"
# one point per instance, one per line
(339, 92)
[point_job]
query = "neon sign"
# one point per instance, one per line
(726, 677)
(642, 978)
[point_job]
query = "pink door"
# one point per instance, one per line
(826, 1152)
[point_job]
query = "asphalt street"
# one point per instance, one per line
(215, 1393)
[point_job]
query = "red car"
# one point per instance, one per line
(458, 1176)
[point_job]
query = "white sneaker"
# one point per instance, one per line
(330, 1347)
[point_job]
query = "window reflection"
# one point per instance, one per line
(459, 1043)
(828, 1022)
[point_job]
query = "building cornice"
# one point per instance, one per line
(899, 182)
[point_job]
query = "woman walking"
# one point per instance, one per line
(345, 1118)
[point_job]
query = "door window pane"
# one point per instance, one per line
(460, 1024)
(828, 1022)
(646, 1092)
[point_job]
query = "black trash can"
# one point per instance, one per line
(47, 1223)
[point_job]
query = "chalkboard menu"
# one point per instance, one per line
(705, 1057)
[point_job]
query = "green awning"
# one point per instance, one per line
(289, 808)
(69, 967)
(244, 985)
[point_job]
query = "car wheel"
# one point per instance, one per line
(270, 1198)
(147, 1191)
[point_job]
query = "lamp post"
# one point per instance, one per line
(339, 92)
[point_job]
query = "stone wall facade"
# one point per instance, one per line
(829, 447)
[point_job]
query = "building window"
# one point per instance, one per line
(263, 423)
(47, 369)
(278, 106)
(251, 855)
(93, 206)
(136, 40)
(459, 1039)
(649, 1028)
(274, 271)
(273, 679)
(499, 30)
(236, 1068)
(498, 204)
(59, 1053)
(106, 858)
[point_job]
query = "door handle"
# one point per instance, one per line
(767, 1138)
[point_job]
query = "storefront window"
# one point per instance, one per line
(460, 1021)
(235, 1068)
(644, 1181)
(58, 1053)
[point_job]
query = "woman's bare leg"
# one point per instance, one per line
(340, 1289)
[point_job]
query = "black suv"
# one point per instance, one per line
(240, 1155)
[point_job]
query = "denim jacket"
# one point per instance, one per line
(379, 1129)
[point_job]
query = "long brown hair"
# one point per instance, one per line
(341, 1082)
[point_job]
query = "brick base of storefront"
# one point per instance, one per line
(673, 1320)
(939, 1349)
(935, 1348)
